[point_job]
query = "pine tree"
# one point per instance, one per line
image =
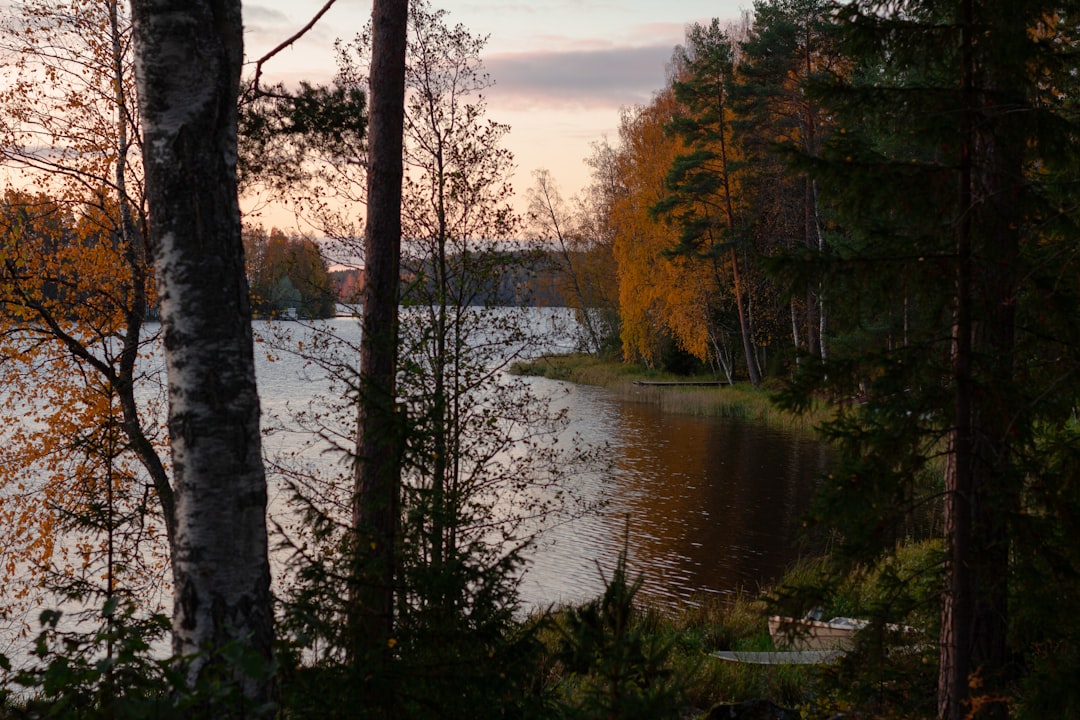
(378, 471)
(704, 201)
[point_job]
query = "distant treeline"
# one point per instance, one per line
(288, 275)
(489, 278)
(493, 278)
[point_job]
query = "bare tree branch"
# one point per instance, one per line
(292, 39)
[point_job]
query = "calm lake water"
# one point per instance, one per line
(703, 505)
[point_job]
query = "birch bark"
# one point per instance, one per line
(188, 55)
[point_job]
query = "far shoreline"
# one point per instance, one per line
(740, 401)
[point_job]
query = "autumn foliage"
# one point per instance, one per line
(701, 198)
(79, 506)
(288, 275)
(660, 299)
(85, 497)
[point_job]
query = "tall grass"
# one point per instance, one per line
(731, 623)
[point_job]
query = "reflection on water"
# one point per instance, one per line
(705, 505)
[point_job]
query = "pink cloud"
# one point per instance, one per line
(593, 78)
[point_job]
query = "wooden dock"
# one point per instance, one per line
(792, 657)
(681, 383)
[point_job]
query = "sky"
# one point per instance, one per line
(563, 69)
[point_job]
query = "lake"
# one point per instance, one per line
(704, 506)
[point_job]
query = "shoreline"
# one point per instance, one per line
(689, 395)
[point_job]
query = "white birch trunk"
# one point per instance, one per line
(188, 55)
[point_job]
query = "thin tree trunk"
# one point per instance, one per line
(377, 470)
(744, 328)
(721, 359)
(956, 606)
(544, 187)
(996, 421)
(134, 244)
(979, 486)
(188, 57)
(813, 319)
(729, 207)
(795, 339)
(813, 238)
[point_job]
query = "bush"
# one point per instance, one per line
(615, 661)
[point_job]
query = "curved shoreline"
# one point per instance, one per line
(672, 393)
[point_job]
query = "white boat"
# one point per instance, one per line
(808, 634)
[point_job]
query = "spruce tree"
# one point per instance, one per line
(946, 173)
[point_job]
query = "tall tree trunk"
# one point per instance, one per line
(377, 470)
(188, 55)
(736, 276)
(810, 240)
(729, 211)
(995, 420)
(979, 486)
(812, 236)
(956, 606)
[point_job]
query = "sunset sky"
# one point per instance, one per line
(562, 68)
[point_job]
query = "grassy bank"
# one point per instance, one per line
(740, 401)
